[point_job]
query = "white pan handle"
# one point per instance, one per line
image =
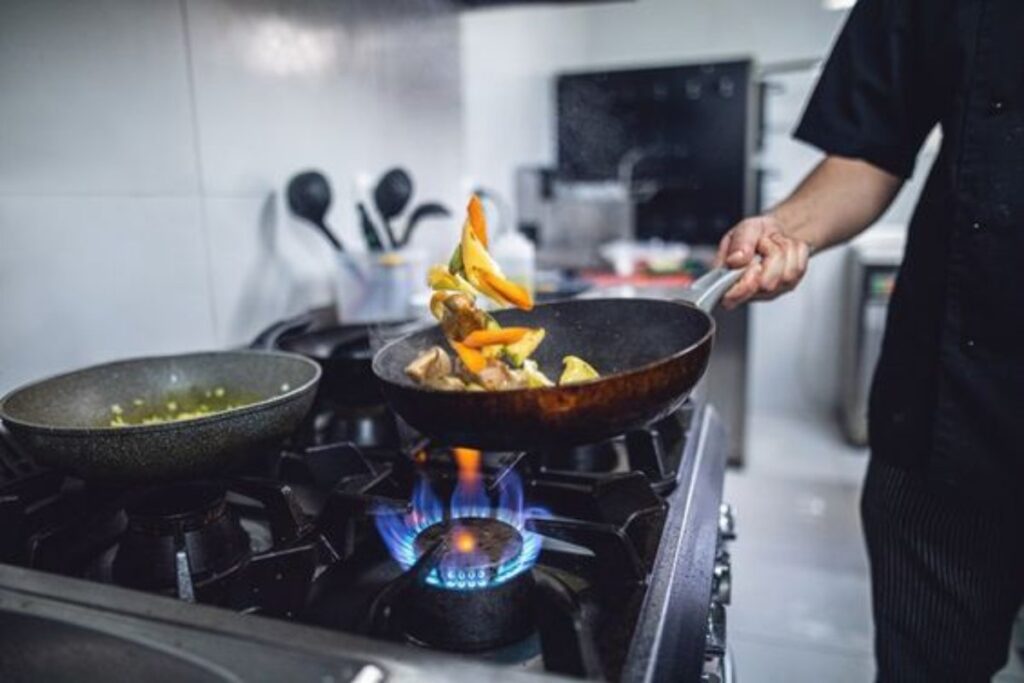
(708, 289)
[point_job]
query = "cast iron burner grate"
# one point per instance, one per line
(600, 540)
(303, 543)
(180, 539)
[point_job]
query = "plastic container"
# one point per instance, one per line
(379, 286)
(517, 257)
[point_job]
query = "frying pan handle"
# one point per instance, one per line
(707, 290)
(268, 338)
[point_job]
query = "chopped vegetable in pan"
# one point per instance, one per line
(180, 406)
(487, 356)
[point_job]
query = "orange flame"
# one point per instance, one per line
(464, 540)
(468, 461)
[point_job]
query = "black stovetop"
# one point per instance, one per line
(295, 537)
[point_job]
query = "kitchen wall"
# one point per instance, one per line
(510, 57)
(144, 145)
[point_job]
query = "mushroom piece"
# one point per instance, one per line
(460, 316)
(447, 383)
(432, 364)
(498, 376)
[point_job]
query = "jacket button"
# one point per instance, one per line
(970, 343)
(976, 226)
(997, 106)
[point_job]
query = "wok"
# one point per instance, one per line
(650, 354)
(64, 421)
(342, 352)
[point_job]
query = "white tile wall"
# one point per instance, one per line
(94, 99)
(144, 146)
(87, 279)
(266, 264)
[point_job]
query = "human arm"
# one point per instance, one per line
(837, 200)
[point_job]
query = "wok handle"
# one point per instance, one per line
(708, 289)
(269, 338)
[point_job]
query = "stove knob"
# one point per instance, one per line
(723, 580)
(726, 522)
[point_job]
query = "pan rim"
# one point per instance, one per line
(206, 420)
(537, 391)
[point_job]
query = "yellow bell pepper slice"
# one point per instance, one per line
(576, 369)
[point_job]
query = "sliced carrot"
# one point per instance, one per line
(478, 219)
(506, 335)
(510, 291)
(471, 358)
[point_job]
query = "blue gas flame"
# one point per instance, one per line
(470, 499)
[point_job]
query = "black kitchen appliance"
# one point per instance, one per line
(680, 138)
(605, 562)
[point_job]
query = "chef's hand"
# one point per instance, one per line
(782, 265)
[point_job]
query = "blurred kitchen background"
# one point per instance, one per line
(146, 147)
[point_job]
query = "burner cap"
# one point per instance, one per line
(469, 620)
(475, 550)
(192, 519)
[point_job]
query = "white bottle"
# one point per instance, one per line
(517, 257)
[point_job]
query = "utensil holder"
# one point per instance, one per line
(379, 286)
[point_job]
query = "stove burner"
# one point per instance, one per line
(469, 620)
(476, 548)
(179, 538)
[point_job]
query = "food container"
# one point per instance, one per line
(379, 286)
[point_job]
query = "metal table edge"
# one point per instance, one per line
(669, 640)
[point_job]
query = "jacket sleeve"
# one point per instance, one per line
(873, 100)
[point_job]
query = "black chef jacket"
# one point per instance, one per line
(948, 394)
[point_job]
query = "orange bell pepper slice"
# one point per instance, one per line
(471, 358)
(478, 219)
(509, 291)
(506, 335)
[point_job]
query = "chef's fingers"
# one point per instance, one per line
(801, 254)
(793, 271)
(745, 288)
(773, 263)
(742, 243)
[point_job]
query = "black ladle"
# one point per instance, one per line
(391, 196)
(309, 197)
(428, 210)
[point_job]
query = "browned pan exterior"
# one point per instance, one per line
(650, 353)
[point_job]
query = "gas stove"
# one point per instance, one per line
(378, 555)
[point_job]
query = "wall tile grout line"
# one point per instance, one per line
(200, 175)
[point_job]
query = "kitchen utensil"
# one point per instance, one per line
(64, 421)
(650, 353)
(342, 351)
(373, 242)
(309, 197)
(391, 196)
(421, 212)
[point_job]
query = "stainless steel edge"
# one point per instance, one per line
(246, 647)
(668, 644)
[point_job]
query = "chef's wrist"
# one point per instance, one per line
(793, 221)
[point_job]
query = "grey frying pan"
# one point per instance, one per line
(65, 421)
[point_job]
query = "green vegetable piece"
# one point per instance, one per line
(455, 265)
(517, 353)
(535, 379)
(576, 370)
